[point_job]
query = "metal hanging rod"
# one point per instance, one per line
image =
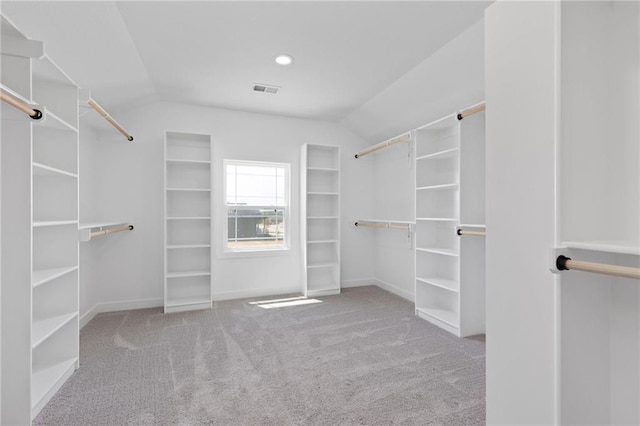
(383, 145)
(564, 263)
(93, 104)
(471, 111)
(33, 113)
(473, 233)
(111, 231)
(387, 225)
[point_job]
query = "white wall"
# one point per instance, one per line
(126, 184)
(522, 294)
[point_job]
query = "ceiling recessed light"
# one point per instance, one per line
(284, 59)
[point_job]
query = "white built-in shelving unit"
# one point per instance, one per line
(188, 224)
(320, 186)
(449, 273)
(40, 323)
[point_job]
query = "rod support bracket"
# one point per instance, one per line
(557, 259)
(37, 116)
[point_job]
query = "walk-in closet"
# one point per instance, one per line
(319, 213)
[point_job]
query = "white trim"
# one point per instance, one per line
(255, 292)
(124, 305)
(362, 282)
(396, 290)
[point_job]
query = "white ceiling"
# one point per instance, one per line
(210, 53)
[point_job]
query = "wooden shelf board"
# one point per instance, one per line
(438, 250)
(43, 328)
(188, 274)
(442, 283)
(42, 276)
(607, 246)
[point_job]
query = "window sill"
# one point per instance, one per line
(224, 254)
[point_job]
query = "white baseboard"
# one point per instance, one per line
(396, 290)
(254, 292)
(126, 305)
(358, 283)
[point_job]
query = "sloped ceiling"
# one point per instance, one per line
(211, 53)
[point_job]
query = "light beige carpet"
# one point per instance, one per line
(361, 357)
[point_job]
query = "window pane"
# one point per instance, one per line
(250, 190)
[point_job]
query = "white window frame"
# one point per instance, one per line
(256, 251)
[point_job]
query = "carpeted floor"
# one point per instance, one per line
(361, 357)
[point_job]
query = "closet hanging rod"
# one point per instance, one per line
(33, 113)
(383, 145)
(382, 225)
(93, 104)
(564, 263)
(111, 231)
(473, 233)
(471, 111)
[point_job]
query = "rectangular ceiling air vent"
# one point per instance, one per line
(265, 88)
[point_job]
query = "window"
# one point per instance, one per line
(257, 198)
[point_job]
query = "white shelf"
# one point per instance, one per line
(41, 329)
(190, 189)
(99, 226)
(445, 316)
(52, 121)
(473, 225)
(189, 218)
(322, 169)
(188, 274)
(45, 377)
(441, 251)
(187, 301)
(447, 153)
(438, 187)
(177, 160)
(322, 193)
(389, 221)
(43, 223)
(607, 246)
(322, 265)
(443, 283)
(322, 217)
(43, 276)
(438, 219)
(322, 241)
(43, 170)
(187, 246)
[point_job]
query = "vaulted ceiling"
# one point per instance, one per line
(211, 53)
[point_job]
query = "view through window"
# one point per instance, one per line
(257, 197)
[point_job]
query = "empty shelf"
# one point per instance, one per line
(45, 327)
(443, 283)
(43, 276)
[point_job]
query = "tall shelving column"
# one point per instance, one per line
(40, 272)
(437, 255)
(472, 217)
(188, 225)
(320, 200)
